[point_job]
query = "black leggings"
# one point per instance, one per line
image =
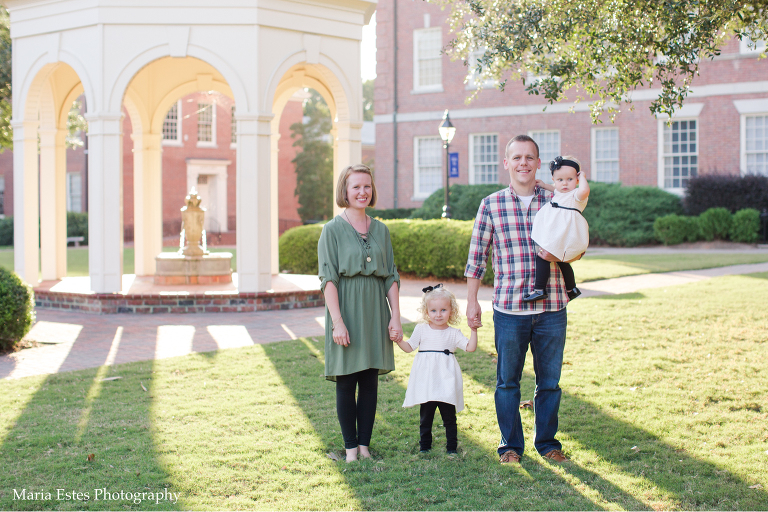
(542, 274)
(427, 415)
(356, 417)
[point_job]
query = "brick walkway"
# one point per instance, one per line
(75, 341)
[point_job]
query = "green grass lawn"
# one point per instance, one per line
(663, 408)
(592, 268)
(77, 259)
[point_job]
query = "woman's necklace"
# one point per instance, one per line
(362, 239)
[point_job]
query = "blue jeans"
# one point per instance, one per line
(545, 332)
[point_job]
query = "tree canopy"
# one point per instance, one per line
(314, 161)
(600, 50)
(6, 134)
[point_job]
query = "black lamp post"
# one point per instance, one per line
(447, 131)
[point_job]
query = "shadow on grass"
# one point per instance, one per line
(400, 477)
(70, 416)
(678, 476)
(621, 296)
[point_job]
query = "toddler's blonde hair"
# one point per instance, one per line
(439, 293)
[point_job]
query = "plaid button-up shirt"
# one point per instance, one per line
(503, 222)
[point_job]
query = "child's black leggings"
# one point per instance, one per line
(542, 274)
(427, 413)
(356, 417)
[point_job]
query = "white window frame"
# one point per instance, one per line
(471, 142)
(418, 89)
(660, 145)
(472, 84)
(178, 141)
(69, 176)
(233, 129)
(593, 152)
(543, 172)
(212, 142)
(743, 140)
(744, 48)
(417, 194)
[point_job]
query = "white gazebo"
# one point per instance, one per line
(143, 56)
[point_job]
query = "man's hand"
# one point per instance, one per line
(474, 315)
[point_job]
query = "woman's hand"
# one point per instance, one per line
(395, 330)
(340, 333)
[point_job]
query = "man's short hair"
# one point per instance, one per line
(521, 138)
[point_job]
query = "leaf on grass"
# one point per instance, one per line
(635, 448)
(526, 404)
(756, 486)
(494, 360)
(142, 386)
(91, 456)
(567, 362)
(111, 378)
(138, 473)
(333, 456)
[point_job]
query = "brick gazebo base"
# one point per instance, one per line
(141, 295)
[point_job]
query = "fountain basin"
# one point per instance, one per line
(175, 268)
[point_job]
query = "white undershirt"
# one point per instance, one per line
(526, 199)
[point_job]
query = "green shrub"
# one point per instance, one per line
(464, 199)
(17, 309)
(423, 247)
(391, 213)
(676, 229)
(746, 226)
(298, 249)
(77, 225)
(715, 223)
(6, 231)
(624, 216)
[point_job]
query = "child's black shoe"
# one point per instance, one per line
(535, 295)
(573, 293)
(452, 452)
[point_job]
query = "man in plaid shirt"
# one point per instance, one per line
(504, 222)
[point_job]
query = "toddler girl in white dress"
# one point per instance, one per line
(435, 380)
(559, 228)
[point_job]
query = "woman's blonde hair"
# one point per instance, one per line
(439, 293)
(341, 186)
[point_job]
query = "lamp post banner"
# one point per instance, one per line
(453, 162)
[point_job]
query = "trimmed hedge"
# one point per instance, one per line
(675, 229)
(77, 225)
(625, 216)
(422, 247)
(17, 309)
(733, 192)
(746, 226)
(715, 223)
(391, 213)
(464, 199)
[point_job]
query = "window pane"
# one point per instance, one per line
(549, 148)
(205, 122)
(429, 165)
(606, 155)
(234, 126)
(485, 158)
(680, 159)
(429, 60)
(74, 192)
(757, 144)
(171, 123)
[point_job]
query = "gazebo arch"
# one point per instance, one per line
(250, 52)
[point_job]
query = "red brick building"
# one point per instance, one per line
(723, 126)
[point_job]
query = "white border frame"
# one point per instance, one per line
(417, 196)
(471, 153)
(593, 152)
(212, 142)
(425, 88)
(660, 151)
(179, 140)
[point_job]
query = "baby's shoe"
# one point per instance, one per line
(573, 293)
(535, 295)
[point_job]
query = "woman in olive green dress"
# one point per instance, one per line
(361, 286)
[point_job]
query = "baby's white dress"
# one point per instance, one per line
(435, 376)
(563, 233)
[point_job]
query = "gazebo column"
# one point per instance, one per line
(26, 237)
(105, 201)
(347, 149)
(275, 200)
(254, 193)
(53, 203)
(147, 201)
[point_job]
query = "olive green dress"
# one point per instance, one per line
(343, 259)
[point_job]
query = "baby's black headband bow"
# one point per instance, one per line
(430, 288)
(558, 162)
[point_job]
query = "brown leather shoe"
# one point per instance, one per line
(556, 455)
(509, 456)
